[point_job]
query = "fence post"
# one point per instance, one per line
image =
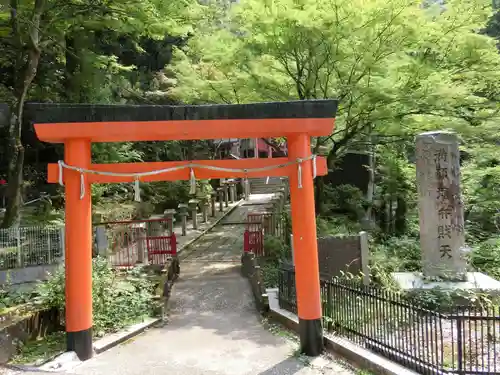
(328, 309)
(246, 241)
(62, 242)
(49, 247)
(173, 244)
(19, 248)
(363, 242)
(460, 345)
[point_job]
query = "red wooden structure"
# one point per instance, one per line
(134, 241)
(254, 235)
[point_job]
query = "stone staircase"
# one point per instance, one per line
(273, 185)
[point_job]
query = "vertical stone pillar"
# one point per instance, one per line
(284, 182)
(101, 240)
(204, 208)
(220, 191)
(213, 195)
(282, 195)
(170, 216)
(225, 188)
(183, 214)
(139, 231)
(442, 238)
(232, 191)
(246, 189)
(193, 205)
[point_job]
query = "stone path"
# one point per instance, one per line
(213, 327)
(255, 204)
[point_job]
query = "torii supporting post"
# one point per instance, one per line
(305, 249)
(78, 250)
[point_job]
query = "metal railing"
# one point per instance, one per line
(31, 246)
(466, 341)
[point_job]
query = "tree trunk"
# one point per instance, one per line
(71, 70)
(382, 216)
(319, 184)
(390, 214)
(24, 77)
(400, 224)
(368, 219)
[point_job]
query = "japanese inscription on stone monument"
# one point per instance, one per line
(440, 205)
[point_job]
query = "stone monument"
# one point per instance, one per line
(441, 213)
(442, 236)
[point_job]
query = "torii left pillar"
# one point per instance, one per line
(77, 152)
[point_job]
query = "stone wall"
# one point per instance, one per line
(343, 254)
(27, 275)
(250, 269)
(15, 330)
(337, 254)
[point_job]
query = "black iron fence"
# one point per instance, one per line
(466, 341)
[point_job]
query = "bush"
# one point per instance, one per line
(118, 299)
(10, 298)
(337, 226)
(346, 199)
(485, 257)
(275, 249)
(396, 254)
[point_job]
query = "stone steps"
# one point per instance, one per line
(259, 186)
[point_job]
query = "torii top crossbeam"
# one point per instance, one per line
(160, 123)
(78, 126)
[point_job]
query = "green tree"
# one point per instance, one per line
(68, 32)
(396, 67)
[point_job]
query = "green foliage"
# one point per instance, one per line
(36, 352)
(70, 51)
(395, 254)
(394, 65)
(10, 297)
(275, 249)
(270, 274)
(485, 257)
(276, 252)
(164, 195)
(336, 226)
(481, 192)
(118, 299)
(346, 199)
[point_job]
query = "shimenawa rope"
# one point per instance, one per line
(192, 177)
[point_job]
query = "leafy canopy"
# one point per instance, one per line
(395, 65)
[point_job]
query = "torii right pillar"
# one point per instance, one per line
(305, 248)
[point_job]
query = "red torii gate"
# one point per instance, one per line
(297, 121)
